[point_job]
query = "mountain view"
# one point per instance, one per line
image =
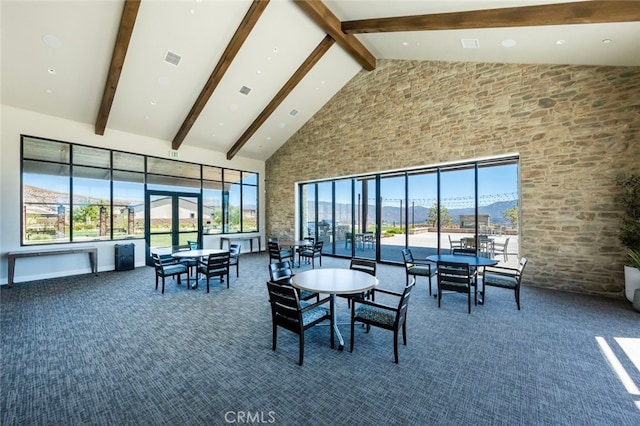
(419, 214)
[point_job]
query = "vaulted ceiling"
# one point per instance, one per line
(242, 76)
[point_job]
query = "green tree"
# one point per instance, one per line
(511, 215)
(432, 216)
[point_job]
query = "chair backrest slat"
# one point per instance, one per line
(365, 265)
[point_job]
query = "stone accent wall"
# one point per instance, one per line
(574, 127)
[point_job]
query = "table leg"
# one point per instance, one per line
(12, 269)
(332, 307)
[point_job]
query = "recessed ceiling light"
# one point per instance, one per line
(560, 42)
(607, 41)
(470, 43)
(49, 91)
(221, 123)
(52, 41)
(268, 138)
(146, 117)
(192, 11)
(153, 103)
(259, 72)
(282, 125)
(51, 71)
(508, 43)
(275, 50)
(405, 43)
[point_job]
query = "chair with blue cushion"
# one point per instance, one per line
(504, 277)
(234, 257)
(312, 253)
(190, 263)
(216, 265)
(288, 313)
(418, 268)
(168, 267)
(374, 313)
(457, 277)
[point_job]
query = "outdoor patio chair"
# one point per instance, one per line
(502, 248)
(457, 244)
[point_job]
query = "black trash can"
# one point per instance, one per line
(125, 257)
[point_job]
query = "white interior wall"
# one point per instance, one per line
(14, 122)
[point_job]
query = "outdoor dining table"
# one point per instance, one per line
(472, 261)
(486, 244)
(334, 281)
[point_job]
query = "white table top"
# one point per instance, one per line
(334, 281)
(197, 253)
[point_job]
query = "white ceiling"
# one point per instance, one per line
(153, 97)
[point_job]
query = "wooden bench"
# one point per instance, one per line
(91, 251)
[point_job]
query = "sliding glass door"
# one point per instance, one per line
(432, 210)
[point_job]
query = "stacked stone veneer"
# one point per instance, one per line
(574, 127)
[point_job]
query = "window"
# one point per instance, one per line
(429, 210)
(75, 193)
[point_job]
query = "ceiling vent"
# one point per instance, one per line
(470, 43)
(172, 58)
(293, 112)
(245, 90)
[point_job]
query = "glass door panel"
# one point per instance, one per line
(394, 213)
(173, 219)
(457, 209)
(365, 224)
(498, 201)
(343, 223)
(423, 209)
(308, 209)
(325, 214)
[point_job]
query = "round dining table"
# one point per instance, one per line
(334, 281)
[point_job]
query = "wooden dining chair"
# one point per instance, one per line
(168, 267)
(215, 265)
(456, 277)
(288, 313)
(504, 277)
(388, 317)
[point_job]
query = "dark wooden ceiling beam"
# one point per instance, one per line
(584, 12)
(325, 19)
(296, 78)
(244, 29)
(127, 21)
